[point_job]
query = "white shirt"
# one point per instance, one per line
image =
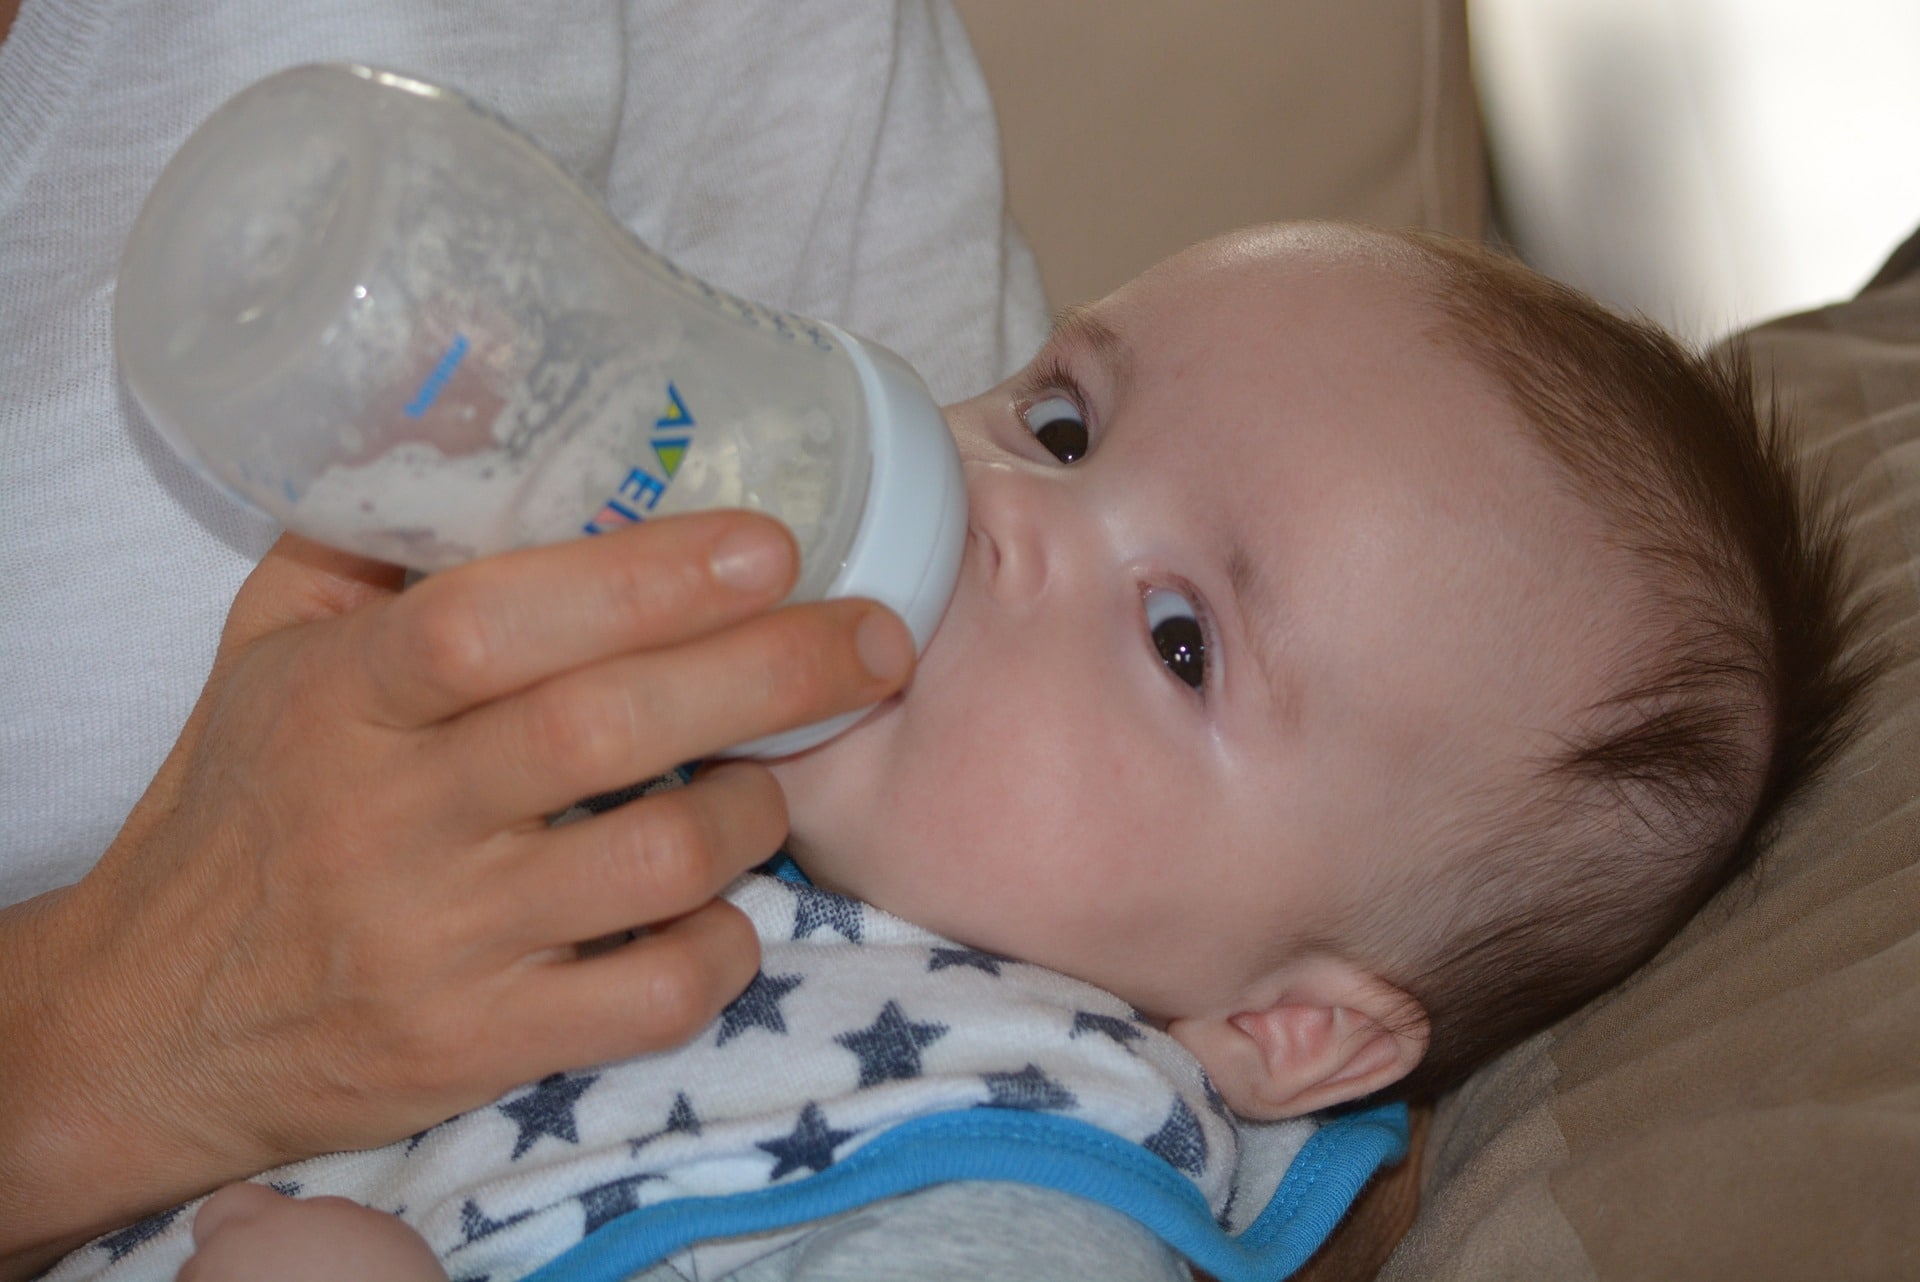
(835, 159)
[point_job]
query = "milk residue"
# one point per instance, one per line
(420, 506)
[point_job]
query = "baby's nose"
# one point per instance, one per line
(1006, 528)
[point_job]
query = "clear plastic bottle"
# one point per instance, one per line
(373, 309)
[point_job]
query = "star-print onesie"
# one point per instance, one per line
(869, 1059)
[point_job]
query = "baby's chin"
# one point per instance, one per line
(827, 787)
(833, 789)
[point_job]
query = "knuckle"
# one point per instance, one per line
(641, 591)
(386, 966)
(418, 1048)
(674, 841)
(576, 731)
(674, 1001)
(361, 965)
(447, 641)
(754, 800)
(799, 671)
(442, 1046)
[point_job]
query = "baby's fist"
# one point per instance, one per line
(249, 1233)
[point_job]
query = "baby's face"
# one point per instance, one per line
(1306, 590)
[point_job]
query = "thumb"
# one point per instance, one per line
(300, 581)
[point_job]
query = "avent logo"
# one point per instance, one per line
(641, 490)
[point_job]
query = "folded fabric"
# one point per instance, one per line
(868, 1059)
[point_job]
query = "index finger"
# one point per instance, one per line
(484, 630)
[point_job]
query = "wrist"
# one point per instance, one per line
(80, 1153)
(44, 1211)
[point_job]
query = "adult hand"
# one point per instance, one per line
(338, 917)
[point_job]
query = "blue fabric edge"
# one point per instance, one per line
(1059, 1153)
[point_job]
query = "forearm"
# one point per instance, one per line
(49, 1198)
(80, 1154)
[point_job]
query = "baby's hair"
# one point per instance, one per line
(1750, 678)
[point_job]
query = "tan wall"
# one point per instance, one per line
(1135, 127)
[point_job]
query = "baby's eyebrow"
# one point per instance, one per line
(1257, 604)
(1080, 325)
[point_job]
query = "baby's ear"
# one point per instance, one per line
(1332, 1033)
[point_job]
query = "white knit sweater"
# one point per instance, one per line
(836, 159)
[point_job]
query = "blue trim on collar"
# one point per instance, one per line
(1027, 1148)
(783, 867)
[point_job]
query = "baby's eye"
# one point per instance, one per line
(1059, 426)
(1175, 627)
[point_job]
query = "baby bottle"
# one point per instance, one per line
(374, 310)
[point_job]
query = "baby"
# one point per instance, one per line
(1365, 652)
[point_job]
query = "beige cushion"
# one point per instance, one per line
(1133, 128)
(1748, 1106)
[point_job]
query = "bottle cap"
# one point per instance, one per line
(906, 553)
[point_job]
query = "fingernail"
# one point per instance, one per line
(752, 559)
(885, 645)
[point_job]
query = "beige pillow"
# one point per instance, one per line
(1133, 128)
(1748, 1106)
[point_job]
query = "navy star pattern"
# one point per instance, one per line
(1030, 1089)
(1225, 1218)
(758, 1007)
(1122, 1031)
(117, 1245)
(605, 1203)
(1215, 1100)
(889, 1048)
(808, 1080)
(987, 963)
(681, 1120)
(547, 1110)
(414, 1140)
(476, 1223)
(810, 1144)
(599, 805)
(816, 909)
(1180, 1140)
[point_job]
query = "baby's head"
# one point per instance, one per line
(1365, 652)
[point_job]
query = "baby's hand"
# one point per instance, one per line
(249, 1233)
